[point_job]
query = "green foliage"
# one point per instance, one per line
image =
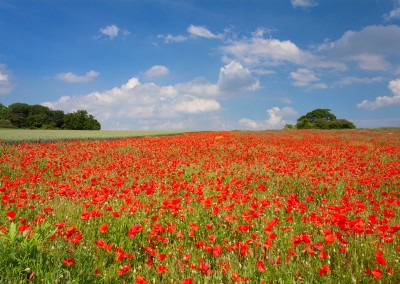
(322, 119)
(5, 123)
(21, 115)
(24, 255)
(80, 120)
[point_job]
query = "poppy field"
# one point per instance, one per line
(211, 207)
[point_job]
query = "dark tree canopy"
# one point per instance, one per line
(21, 115)
(322, 119)
(318, 114)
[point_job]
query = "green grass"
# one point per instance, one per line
(17, 136)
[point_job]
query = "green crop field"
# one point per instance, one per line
(12, 136)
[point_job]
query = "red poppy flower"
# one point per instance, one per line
(134, 230)
(103, 228)
(379, 258)
(162, 269)
(124, 269)
(69, 261)
(140, 280)
(261, 266)
(377, 273)
(324, 269)
(11, 214)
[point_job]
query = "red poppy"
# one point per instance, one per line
(379, 258)
(261, 266)
(140, 280)
(103, 228)
(124, 269)
(324, 269)
(11, 214)
(134, 230)
(69, 261)
(161, 268)
(377, 273)
(187, 281)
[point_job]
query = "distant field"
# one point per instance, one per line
(11, 136)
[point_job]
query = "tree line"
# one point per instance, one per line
(21, 115)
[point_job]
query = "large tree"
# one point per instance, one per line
(81, 120)
(322, 119)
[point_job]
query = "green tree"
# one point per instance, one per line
(3, 110)
(322, 119)
(57, 119)
(81, 120)
(17, 114)
(318, 114)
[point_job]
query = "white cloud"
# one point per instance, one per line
(148, 105)
(383, 101)
(171, 38)
(110, 31)
(371, 62)
(369, 40)
(304, 3)
(258, 51)
(197, 105)
(306, 78)
(236, 78)
(73, 78)
(199, 31)
(156, 71)
(358, 80)
(276, 119)
(392, 15)
(5, 80)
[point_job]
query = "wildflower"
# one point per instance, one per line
(379, 258)
(103, 228)
(140, 280)
(134, 230)
(324, 269)
(101, 244)
(161, 268)
(377, 273)
(11, 214)
(69, 261)
(261, 266)
(124, 269)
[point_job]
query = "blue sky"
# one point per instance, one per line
(218, 65)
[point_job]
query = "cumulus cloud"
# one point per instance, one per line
(200, 31)
(110, 31)
(148, 105)
(392, 15)
(5, 80)
(372, 48)
(236, 78)
(197, 105)
(306, 78)
(73, 78)
(156, 71)
(258, 51)
(383, 101)
(304, 3)
(276, 119)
